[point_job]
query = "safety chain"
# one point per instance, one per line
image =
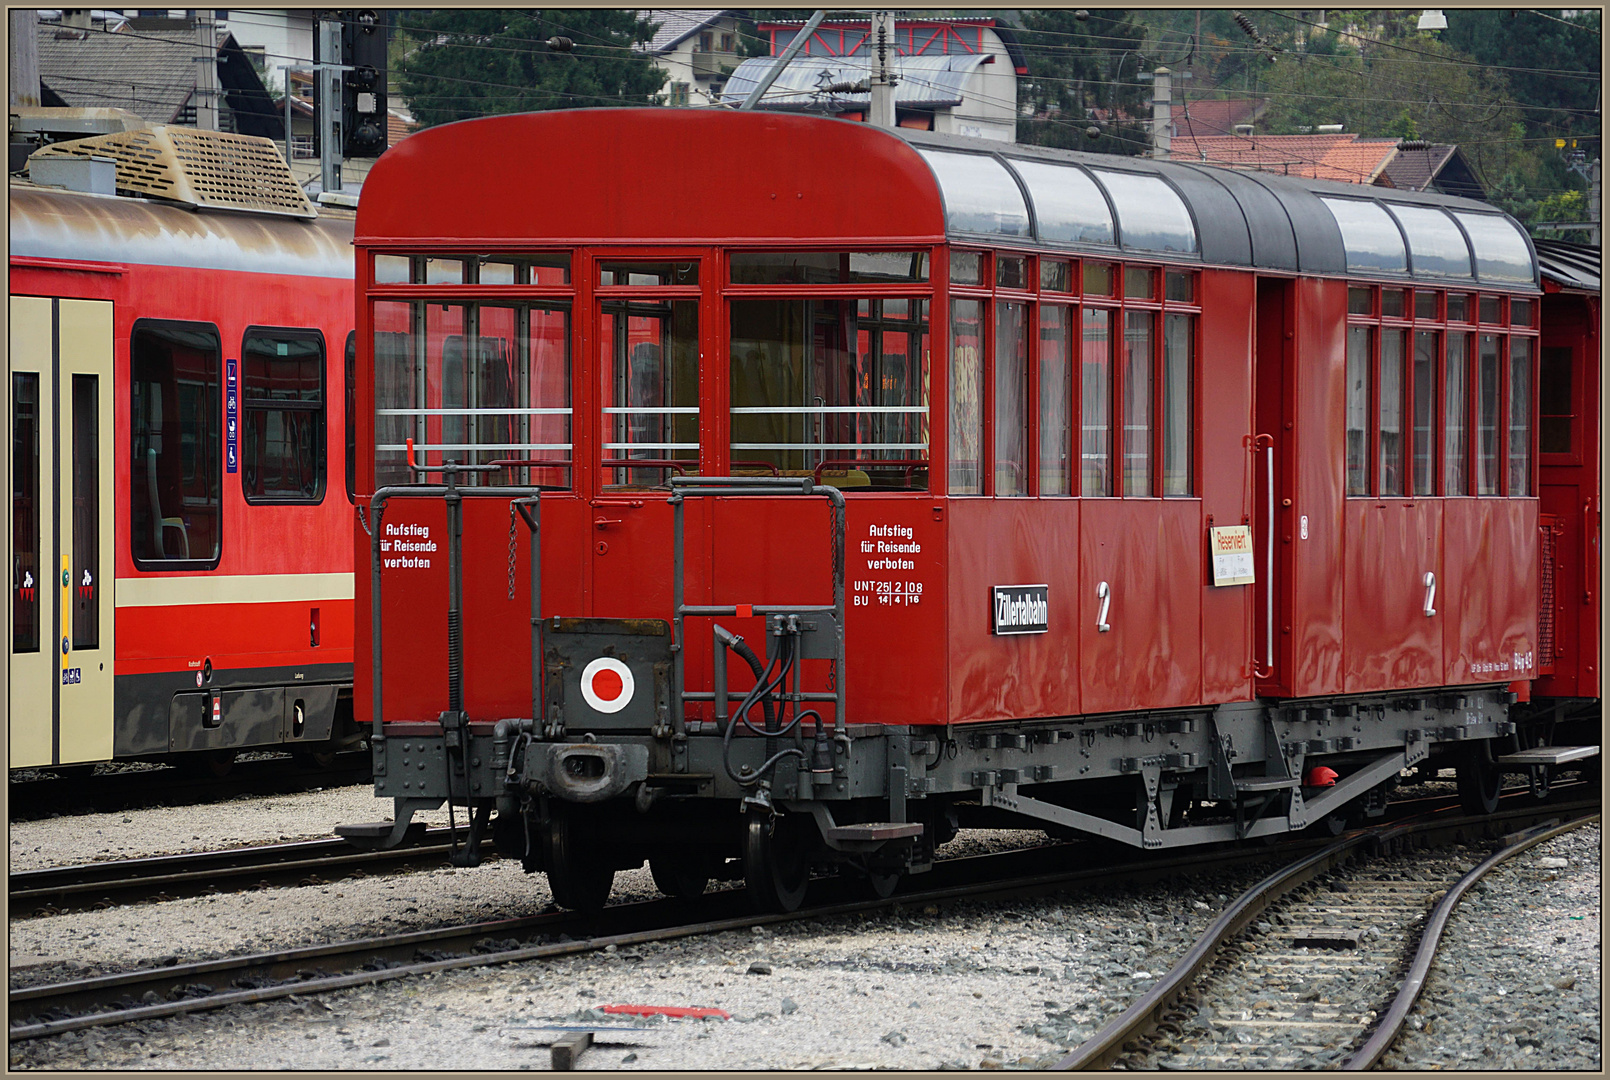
(362, 520)
(511, 549)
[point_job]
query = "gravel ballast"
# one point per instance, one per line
(961, 985)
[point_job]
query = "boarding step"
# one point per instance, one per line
(1545, 755)
(876, 831)
(1255, 784)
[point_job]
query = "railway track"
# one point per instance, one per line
(52, 1009)
(59, 889)
(1319, 964)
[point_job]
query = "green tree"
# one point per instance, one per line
(1080, 68)
(471, 62)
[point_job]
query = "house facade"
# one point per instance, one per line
(697, 50)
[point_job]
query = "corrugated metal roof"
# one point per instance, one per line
(1575, 266)
(924, 81)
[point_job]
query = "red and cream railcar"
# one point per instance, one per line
(181, 570)
(1161, 485)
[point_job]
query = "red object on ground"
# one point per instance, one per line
(697, 1012)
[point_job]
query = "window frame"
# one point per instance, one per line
(320, 411)
(168, 565)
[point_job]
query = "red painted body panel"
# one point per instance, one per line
(1149, 551)
(238, 633)
(1391, 643)
(1487, 601)
(785, 180)
(1013, 542)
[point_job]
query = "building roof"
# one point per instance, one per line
(152, 74)
(1344, 157)
(1418, 169)
(924, 82)
(675, 27)
(913, 36)
(1214, 116)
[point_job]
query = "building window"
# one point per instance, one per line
(679, 93)
(175, 444)
(282, 452)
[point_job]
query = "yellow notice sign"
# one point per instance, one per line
(1231, 546)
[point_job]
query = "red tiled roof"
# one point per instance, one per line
(1343, 157)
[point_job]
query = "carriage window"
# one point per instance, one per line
(1425, 304)
(1360, 301)
(1390, 467)
(175, 443)
(282, 416)
(1520, 416)
(1098, 278)
(1179, 338)
(1358, 409)
(649, 369)
(1011, 272)
(648, 273)
(1520, 313)
(1458, 307)
(828, 267)
(980, 194)
(473, 383)
(1456, 415)
(1056, 399)
(1138, 282)
(1055, 276)
(1011, 399)
(1137, 395)
(1492, 309)
(966, 267)
(836, 388)
(1068, 206)
(26, 573)
(1554, 396)
(1425, 410)
(1095, 404)
(86, 511)
(966, 397)
(1369, 236)
(1392, 303)
(1179, 286)
(393, 269)
(1487, 415)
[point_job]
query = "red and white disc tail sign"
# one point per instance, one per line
(607, 684)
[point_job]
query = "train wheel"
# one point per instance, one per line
(578, 879)
(777, 868)
(881, 886)
(681, 875)
(1479, 779)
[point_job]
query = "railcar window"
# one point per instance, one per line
(1179, 342)
(1502, 253)
(1435, 243)
(1068, 206)
(966, 267)
(1392, 303)
(1011, 399)
(1055, 276)
(1520, 416)
(175, 443)
(1151, 215)
(1425, 304)
(649, 373)
(282, 443)
(393, 269)
(1389, 469)
(1359, 341)
(1011, 272)
(1056, 399)
(86, 464)
(1369, 236)
(1095, 404)
(828, 267)
(1458, 307)
(966, 434)
(443, 272)
(1425, 411)
(1554, 402)
(476, 383)
(648, 273)
(1487, 355)
(1098, 278)
(27, 576)
(1520, 313)
(1139, 326)
(1360, 301)
(1177, 286)
(831, 384)
(1456, 414)
(980, 195)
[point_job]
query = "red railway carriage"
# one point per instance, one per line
(181, 573)
(1109, 493)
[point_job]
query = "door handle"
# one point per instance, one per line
(1104, 594)
(604, 522)
(1431, 594)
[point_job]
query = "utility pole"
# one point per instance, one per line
(1161, 113)
(882, 83)
(24, 57)
(207, 73)
(329, 102)
(285, 73)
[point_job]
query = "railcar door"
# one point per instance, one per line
(61, 518)
(649, 351)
